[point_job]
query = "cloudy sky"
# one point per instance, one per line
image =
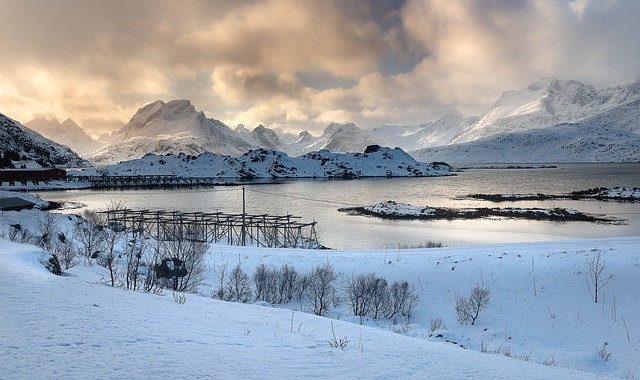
(298, 65)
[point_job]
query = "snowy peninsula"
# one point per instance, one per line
(376, 161)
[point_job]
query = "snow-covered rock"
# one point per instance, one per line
(28, 146)
(374, 162)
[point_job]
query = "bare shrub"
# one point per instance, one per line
(337, 343)
(436, 324)
(48, 230)
(66, 253)
(367, 295)
(321, 289)
(136, 248)
(603, 352)
(596, 267)
(275, 285)
(112, 234)
(221, 273)
(265, 280)
(238, 287)
(288, 283)
(468, 309)
(88, 233)
(19, 235)
(403, 299)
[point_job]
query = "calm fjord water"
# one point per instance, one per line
(319, 200)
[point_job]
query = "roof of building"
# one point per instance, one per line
(14, 202)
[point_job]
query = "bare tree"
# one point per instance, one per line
(320, 289)
(468, 309)
(596, 267)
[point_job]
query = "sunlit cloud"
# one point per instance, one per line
(301, 65)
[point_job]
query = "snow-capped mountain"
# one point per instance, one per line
(27, 146)
(376, 161)
(340, 138)
(260, 136)
(550, 102)
(67, 133)
(561, 143)
(173, 127)
(436, 133)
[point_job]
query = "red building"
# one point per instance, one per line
(42, 174)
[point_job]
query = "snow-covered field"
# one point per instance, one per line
(541, 311)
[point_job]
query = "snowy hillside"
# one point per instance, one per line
(626, 116)
(374, 162)
(562, 143)
(27, 146)
(173, 127)
(540, 321)
(436, 133)
(68, 133)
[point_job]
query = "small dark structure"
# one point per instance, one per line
(15, 204)
(40, 174)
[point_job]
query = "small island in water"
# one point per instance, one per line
(395, 210)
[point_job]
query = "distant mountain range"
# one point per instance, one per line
(551, 120)
(22, 146)
(67, 133)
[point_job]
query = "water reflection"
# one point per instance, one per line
(319, 200)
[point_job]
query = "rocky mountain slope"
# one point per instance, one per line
(28, 147)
